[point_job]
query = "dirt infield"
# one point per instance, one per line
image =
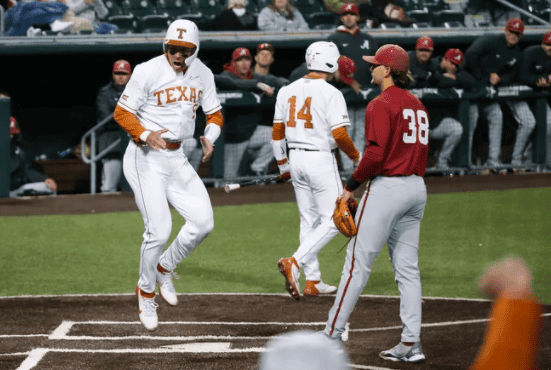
(228, 331)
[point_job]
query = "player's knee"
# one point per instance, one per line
(158, 234)
(204, 226)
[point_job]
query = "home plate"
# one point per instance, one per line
(201, 347)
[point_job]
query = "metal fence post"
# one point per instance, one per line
(5, 147)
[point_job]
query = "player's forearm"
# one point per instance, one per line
(345, 143)
(512, 337)
(129, 123)
(369, 166)
(215, 122)
(279, 145)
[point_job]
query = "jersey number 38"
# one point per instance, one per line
(418, 126)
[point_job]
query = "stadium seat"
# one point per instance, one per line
(154, 23)
(208, 9)
(448, 19)
(252, 7)
(420, 15)
(540, 8)
(321, 20)
(421, 25)
(139, 8)
(483, 24)
(114, 7)
(435, 5)
(126, 22)
(389, 25)
(307, 7)
(173, 8)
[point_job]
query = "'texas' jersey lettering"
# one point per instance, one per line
(176, 94)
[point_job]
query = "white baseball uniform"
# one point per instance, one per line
(161, 98)
(311, 109)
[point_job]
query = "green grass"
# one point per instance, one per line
(98, 253)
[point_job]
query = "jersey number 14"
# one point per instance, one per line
(418, 127)
(303, 113)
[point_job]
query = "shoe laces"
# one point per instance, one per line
(149, 306)
(166, 280)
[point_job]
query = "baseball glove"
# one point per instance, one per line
(343, 216)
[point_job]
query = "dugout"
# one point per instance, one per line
(54, 80)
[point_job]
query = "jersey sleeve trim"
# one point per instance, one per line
(214, 110)
(126, 107)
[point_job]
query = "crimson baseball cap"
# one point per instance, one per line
(265, 46)
(347, 68)
(515, 25)
(455, 56)
(393, 56)
(14, 129)
(424, 43)
(547, 38)
(241, 53)
(122, 66)
(350, 8)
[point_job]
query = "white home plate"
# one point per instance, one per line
(201, 347)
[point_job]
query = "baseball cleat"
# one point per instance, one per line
(289, 268)
(403, 353)
(313, 288)
(166, 287)
(147, 309)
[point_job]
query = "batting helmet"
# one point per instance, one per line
(322, 56)
(183, 33)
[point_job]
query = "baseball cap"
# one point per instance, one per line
(122, 66)
(241, 53)
(393, 56)
(350, 8)
(515, 25)
(547, 38)
(14, 128)
(347, 68)
(455, 56)
(424, 43)
(265, 46)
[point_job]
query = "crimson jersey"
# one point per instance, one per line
(398, 123)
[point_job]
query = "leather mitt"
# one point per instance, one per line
(343, 216)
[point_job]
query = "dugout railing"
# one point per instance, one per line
(463, 162)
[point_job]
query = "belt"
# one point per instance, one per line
(311, 150)
(173, 145)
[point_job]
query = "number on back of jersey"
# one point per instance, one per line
(418, 126)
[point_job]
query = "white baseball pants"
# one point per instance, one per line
(158, 178)
(317, 185)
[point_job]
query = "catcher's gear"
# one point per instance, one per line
(343, 216)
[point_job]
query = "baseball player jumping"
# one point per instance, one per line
(391, 209)
(158, 109)
(311, 118)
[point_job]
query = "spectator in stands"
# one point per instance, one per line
(354, 43)
(234, 18)
(389, 11)
(281, 16)
(84, 14)
(535, 71)
(496, 58)
(26, 178)
(106, 102)
(264, 58)
(242, 133)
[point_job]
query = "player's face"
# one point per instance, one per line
(512, 38)
(243, 65)
(264, 58)
(547, 49)
(377, 74)
(120, 78)
(350, 20)
(423, 55)
(177, 56)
